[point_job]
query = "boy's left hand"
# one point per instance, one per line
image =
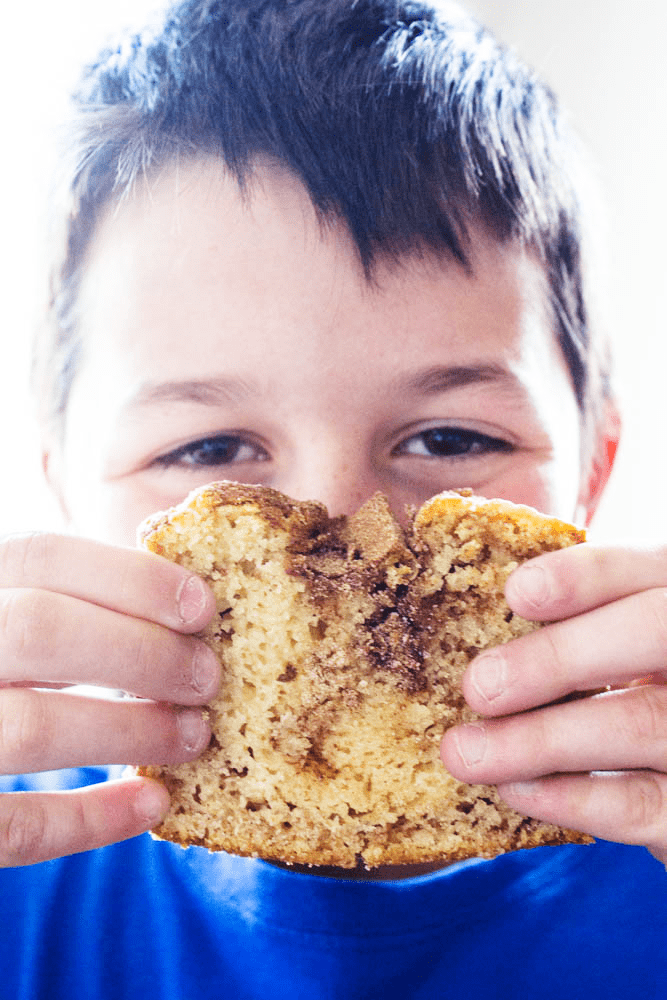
(596, 764)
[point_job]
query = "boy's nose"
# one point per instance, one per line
(342, 482)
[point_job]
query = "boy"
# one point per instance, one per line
(333, 247)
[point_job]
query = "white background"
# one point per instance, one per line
(606, 60)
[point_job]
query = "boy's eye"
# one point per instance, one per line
(452, 442)
(213, 451)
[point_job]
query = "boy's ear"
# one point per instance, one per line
(601, 461)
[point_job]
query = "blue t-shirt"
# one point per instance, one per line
(149, 919)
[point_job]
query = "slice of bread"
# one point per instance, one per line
(343, 643)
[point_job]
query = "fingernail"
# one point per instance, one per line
(488, 675)
(193, 730)
(205, 671)
(151, 803)
(533, 585)
(471, 743)
(192, 598)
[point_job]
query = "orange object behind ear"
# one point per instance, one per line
(602, 461)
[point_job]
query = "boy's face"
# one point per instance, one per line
(232, 339)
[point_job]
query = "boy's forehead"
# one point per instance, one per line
(191, 258)
(197, 207)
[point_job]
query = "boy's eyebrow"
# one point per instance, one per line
(207, 392)
(214, 391)
(443, 378)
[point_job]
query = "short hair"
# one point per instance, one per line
(404, 119)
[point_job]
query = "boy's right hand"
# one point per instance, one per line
(74, 611)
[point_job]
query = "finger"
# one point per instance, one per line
(567, 582)
(611, 731)
(45, 636)
(628, 807)
(129, 581)
(39, 826)
(45, 730)
(630, 642)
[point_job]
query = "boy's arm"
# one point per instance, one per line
(597, 764)
(78, 612)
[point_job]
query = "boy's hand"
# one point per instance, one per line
(597, 764)
(78, 612)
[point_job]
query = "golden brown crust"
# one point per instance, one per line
(343, 643)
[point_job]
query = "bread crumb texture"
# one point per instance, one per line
(343, 642)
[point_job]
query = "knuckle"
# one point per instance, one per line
(23, 830)
(656, 606)
(24, 730)
(645, 802)
(144, 657)
(151, 660)
(555, 657)
(645, 725)
(656, 555)
(26, 623)
(23, 558)
(162, 665)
